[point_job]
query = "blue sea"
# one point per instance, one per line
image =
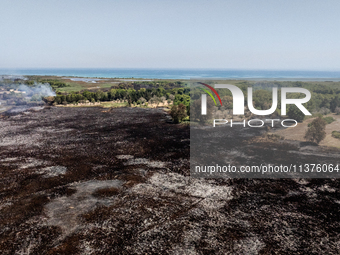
(178, 73)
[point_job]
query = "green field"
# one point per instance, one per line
(82, 84)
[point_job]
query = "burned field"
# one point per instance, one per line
(94, 181)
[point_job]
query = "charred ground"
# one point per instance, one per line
(94, 181)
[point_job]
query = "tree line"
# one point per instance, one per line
(132, 96)
(325, 98)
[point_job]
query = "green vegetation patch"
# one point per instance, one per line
(336, 134)
(329, 119)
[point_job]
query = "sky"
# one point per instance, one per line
(237, 34)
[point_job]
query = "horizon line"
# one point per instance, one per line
(171, 68)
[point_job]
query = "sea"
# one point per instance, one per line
(179, 73)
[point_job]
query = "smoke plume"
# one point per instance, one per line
(43, 90)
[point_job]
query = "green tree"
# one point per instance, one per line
(316, 131)
(112, 94)
(335, 103)
(295, 113)
(178, 112)
(57, 99)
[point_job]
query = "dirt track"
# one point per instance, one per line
(85, 181)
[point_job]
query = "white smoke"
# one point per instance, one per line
(19, 98)
(43, 90)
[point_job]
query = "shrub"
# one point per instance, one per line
(324, 111)
(337, 110)
(162, 99)
(48, 100)
(178, 113)
(336, 134)
(316, 131)
(329, 119)
(142, 100)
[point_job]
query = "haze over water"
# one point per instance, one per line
(177, 73)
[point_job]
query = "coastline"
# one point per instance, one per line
(182, 74)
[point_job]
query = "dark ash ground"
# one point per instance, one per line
(90, 181)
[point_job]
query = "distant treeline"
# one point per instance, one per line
(325, 96)
(167, 85)
(137, 85)
(177, 95)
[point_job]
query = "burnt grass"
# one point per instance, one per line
(58, 154)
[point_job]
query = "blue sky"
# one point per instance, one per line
(239, 34)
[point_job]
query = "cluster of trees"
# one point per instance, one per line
(132, 96)
(325, 98)
(137, 85)
(178, 96)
